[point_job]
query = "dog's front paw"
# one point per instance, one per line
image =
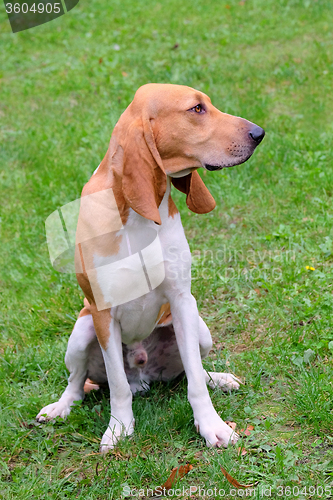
(224, 381)
(50, 412)
(114, 432)
(216, 432)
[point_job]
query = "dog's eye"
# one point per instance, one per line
(198, 109)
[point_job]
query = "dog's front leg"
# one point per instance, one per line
(121, 422)
(186, 324)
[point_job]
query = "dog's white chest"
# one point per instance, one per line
(137, 319)
(151, 260)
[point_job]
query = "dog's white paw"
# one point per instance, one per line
(216, 432)
(115, 431)
(50, 412)
(225, 381)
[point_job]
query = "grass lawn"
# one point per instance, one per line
(262, 260)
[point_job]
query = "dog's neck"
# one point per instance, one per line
(164, 206)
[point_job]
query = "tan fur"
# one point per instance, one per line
(172, 209)
(164, 316)
(198, 199)
(84, 312)
(102, 320)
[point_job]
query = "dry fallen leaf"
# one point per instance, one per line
(176, 473)
(241, 451)
(89, 385)
(233, 425)
(234, 481)
(124, 73)
(248, 430)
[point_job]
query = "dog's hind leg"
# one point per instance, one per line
(224, 381)
(205, 339)
(76, 360)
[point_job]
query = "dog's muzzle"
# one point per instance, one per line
(241, 151)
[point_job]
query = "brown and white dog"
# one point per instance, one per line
(140, 322)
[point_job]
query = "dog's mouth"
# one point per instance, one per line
(211, 168)
(232, 163)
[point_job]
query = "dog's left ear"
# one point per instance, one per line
(198, 199)
(144, 178)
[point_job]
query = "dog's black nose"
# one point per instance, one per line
(257, 133)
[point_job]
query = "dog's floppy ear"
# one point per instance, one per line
(144, 178)
(198, 199)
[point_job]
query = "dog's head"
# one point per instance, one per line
(190, 132)
(174, 130)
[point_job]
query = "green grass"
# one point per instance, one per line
(63, 86)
